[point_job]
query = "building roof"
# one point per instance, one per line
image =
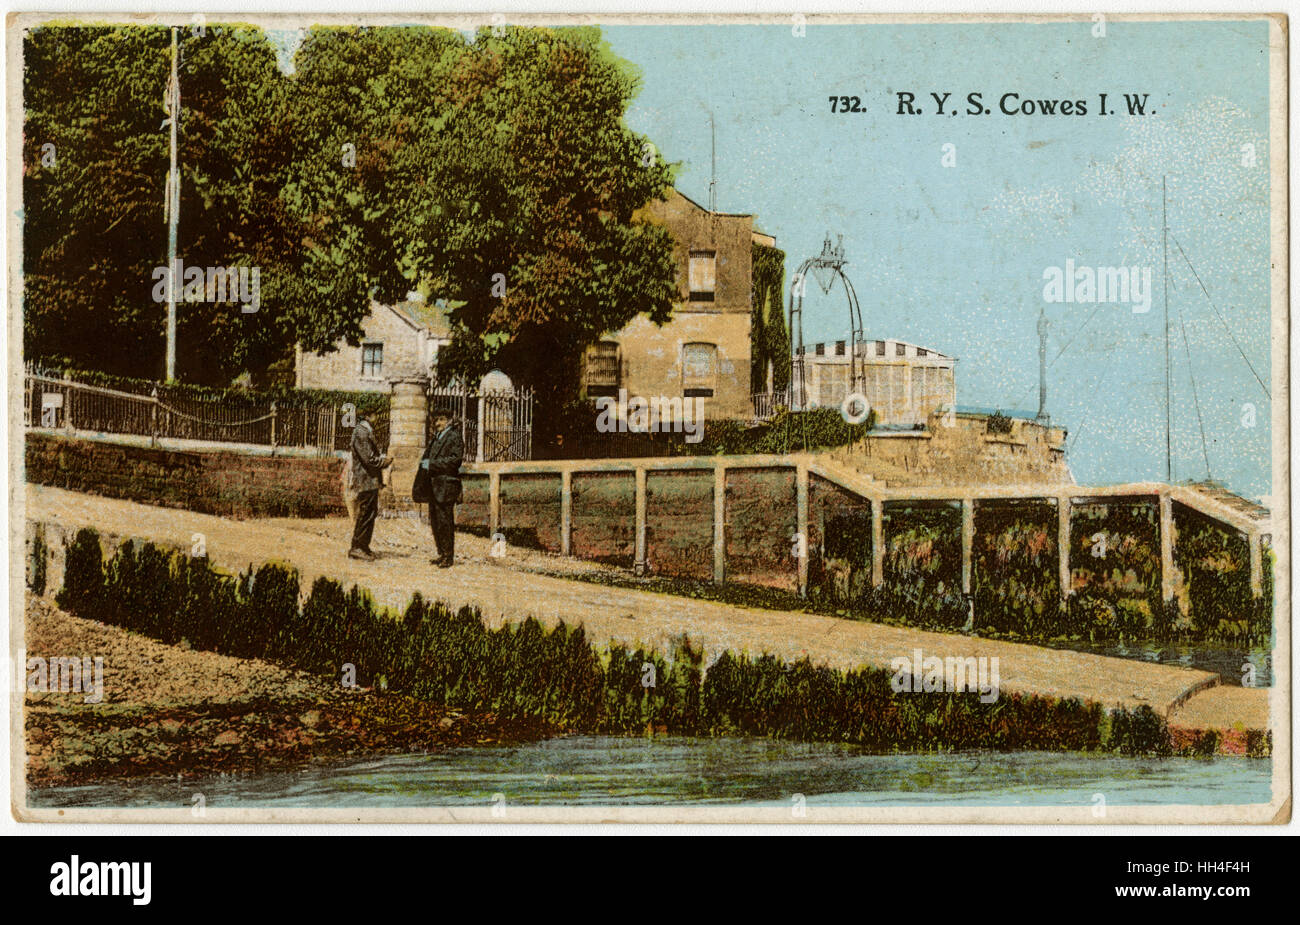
(711, 211)
(428, 316)
(910, 349)
(757, 236)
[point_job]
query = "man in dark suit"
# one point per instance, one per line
(368, 466)
(442, 463)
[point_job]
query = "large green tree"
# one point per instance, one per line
(369, 105)
(494, 171)
(94, 164)
(94, 230)
(497, 173)
(549, 257)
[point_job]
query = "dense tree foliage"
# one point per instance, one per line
(94, 162)
(495, 172)
(95, 227)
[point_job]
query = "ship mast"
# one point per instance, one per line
(1042, 417)
(1169, 421)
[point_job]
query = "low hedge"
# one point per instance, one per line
(556, 676)
(786, 432)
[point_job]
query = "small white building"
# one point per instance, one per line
(398, 341)
(904, 383)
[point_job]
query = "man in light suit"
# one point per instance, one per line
(368, 466)
(441, 465)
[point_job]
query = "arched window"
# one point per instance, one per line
(699, 370)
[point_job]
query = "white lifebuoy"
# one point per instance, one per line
(850, 401)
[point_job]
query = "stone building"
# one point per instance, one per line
(704, 350)
(903, 382)
(398, 342)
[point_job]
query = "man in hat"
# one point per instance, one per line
(441, 461)
(368, 466)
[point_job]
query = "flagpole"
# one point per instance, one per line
(173, 212)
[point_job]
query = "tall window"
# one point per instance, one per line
(372, 361)
(602, 369)
(699, 370)
(703, 275)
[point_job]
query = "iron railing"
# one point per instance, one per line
(496, 426)
(767, 404)
(61, 403)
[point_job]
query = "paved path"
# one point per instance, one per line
(510, 588)
(1224, 707)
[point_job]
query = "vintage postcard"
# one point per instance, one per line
(553, 418)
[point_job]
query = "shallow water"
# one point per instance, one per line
(695, 771)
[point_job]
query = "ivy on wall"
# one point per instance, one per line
(1014, 558)
(1115, 572)
(1215, 563)
(769, 339)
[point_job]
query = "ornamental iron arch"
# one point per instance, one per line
(826, 268)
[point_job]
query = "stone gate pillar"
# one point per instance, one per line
(408, 408)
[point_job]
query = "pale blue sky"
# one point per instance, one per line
(953, 258)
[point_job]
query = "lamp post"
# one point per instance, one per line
(826, 268)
